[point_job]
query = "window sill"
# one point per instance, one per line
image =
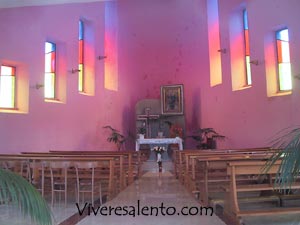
(281, 93)
(84, 93)
(243, 88)
(11, 110)
(53, 100)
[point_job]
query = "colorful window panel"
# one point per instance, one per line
(50, 52)
(81, 57)
(283, 58)
(247, 49)
(7, 87)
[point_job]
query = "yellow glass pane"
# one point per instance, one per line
(80, 78)
(248, 71)
(285, 77)
(49, 85)
(7, 91)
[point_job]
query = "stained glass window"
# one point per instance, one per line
(214, 43)
(81, 57)
(7, 86)
(247, 48)
(50, 69)
(283, 59)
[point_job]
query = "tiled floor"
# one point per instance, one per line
(149, 191)
(153, 191)
(10, 215)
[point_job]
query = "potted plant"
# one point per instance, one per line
(175, 130)
(14, 189)
(141, 132)
(206, 138)
(116, 137)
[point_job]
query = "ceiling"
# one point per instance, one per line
(20, 3)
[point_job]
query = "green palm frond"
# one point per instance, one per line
(16, 190)
(288, 143)
(115, 136)
(112, 129)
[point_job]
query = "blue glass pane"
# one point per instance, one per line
(282, 35)
(80, 30)
(245, 20)
(49, 47)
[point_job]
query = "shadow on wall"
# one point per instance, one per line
(99, 141)
(128, 128)
(195, 120)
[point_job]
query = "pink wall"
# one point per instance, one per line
(159, 42)
(248, 117)
(77, 123)
(164, 42)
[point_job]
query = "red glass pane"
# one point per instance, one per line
(279, 51)
(13, 71)
(52, 62)
(81, 52)
(247, 47)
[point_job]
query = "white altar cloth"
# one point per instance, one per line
(158, 141)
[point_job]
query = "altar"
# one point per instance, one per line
(158, 141)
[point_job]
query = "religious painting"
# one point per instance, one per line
(171, 99)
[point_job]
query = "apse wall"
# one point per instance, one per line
(74, 123)
(164, 42)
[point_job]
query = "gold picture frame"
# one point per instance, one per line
(171, 99)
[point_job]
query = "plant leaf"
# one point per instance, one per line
(288, 143)
(16, 190)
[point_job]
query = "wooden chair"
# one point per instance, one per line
(59, 179)
(36, 175)
(16, 166)
(85, 180)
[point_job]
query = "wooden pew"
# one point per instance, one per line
(209, 174)
(184, 157)
(201, 180)
(18, 166)
(132, 160)
(128, 166)
(253, 169)
(119, 170)
(106, 164)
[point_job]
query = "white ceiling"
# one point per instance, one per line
(19, 3)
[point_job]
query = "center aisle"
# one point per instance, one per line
(163, 193)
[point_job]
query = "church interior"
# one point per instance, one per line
(118, 110)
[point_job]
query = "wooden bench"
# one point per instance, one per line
(186, 158)
(128, 166)
(203, 172)
(210, 175)
(120, 168)
(132, 160)
(232, 209)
